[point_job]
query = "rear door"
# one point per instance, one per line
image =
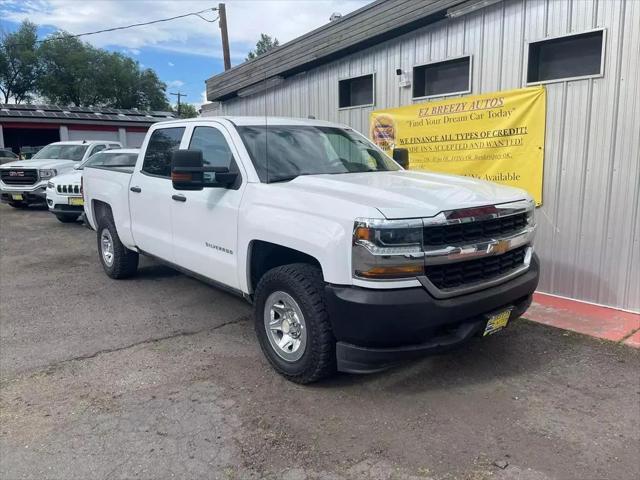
(150, 193)
(205, 223)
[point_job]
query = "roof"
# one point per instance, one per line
(371, 24)
(92, 115)
(256, 121)
(82, 142)
(121, 150)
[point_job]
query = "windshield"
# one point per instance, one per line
(110, 159)
(62, 152)
(283, 152)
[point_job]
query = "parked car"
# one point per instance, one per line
(7, 156)
(24, 182)
(351, 262)
(64, 192)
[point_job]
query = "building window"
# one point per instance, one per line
(356, 92)
(562, 58)
(442, 78)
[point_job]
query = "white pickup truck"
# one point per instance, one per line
(351, 262)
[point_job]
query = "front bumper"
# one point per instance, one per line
(31, 193)
(376, 329)
(59, 204)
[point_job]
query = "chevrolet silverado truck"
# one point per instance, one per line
(351, 262)
(63, 194)
(24, 182)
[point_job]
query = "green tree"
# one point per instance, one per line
(263, 45)
(152, 91)
(74, 72)
(187, 110)
(69, 73)
(19, 63)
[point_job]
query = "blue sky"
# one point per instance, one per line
(183, 52)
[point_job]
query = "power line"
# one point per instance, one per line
(133, 25)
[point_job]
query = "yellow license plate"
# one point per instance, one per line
(76, 201)
(497, 321)
(17, 196)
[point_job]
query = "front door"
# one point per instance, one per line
(150, 196)
(205, 223)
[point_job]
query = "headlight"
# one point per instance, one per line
(51, 185)
(48, 173)
(387, 249)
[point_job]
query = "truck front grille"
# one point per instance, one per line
(457, 233)
(19, 176)
(460, 274)
(68, 189)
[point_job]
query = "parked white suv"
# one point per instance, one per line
(351, 262)
(64, 192)
(23, 182)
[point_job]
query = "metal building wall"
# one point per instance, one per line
(589, 227)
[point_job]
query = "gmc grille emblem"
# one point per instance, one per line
(16, 174)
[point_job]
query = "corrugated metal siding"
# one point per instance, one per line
(589, 237)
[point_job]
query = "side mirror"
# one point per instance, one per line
(187, 172)
(401, 156)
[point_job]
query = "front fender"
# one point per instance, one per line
(325, 239)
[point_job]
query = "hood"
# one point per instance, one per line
(408, 194)
(41, 163)
(69, 178)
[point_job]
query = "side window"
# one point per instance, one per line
(215, 149)
(157, 158)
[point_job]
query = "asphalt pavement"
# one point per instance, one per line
(161, 376)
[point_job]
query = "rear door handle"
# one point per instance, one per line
(136, 189)
(179, 198)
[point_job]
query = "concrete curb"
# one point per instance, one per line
(585, 318)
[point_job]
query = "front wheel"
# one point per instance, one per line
(67, 218)
(117, 260)
(292, 323)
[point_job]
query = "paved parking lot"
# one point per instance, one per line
(161, 377)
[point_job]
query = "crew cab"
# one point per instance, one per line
(24, 182)
(352, 263)
(64, 192)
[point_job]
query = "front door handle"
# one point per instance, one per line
(136, 189)
(179, 198)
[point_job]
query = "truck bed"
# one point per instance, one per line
(109, 185)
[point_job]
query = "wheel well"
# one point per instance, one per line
(265, 255)
(101, 211)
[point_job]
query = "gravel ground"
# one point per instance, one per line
(161, 377)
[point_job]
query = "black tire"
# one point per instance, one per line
(19, 205)
(67, 218)
(124, 262)
(304, 283)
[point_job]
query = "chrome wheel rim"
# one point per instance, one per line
(106, 247)
(285, 326)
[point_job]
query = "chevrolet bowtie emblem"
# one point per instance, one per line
(501, 247)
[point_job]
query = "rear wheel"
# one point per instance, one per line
(117, 260)
(292, 323)
(67, 218)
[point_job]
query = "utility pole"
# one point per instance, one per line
(222, 13)
(179, 95)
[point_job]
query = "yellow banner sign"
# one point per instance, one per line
(496, 136)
